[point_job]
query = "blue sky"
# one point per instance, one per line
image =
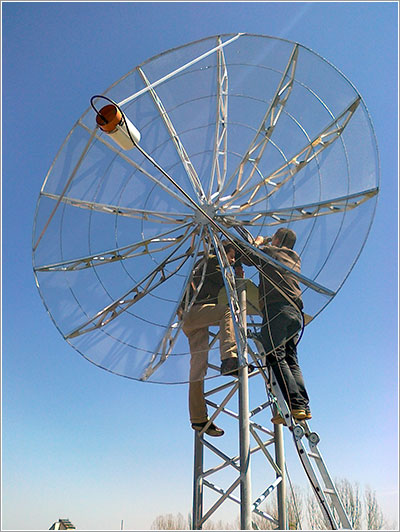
(81, 443)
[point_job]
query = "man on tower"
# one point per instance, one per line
(207, 312)
(281, 306)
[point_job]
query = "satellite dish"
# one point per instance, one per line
(256, 133)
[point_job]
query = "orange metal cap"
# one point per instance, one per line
(112, 116)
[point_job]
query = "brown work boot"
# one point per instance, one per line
(278, 420)
(299, 414)
(212, 429)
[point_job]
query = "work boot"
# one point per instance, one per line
(278, 420)
(212, 429)
(299, 414)
(308, 413)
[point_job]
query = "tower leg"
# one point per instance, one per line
(244, 425)
(280, 462)
(197, 512)
(244, 435)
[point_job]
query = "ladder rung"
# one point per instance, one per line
(313, 455)
(330, 491)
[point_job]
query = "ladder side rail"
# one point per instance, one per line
(271, 383)
(318, 490)
(329, 486)
(336, 500)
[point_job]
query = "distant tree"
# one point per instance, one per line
(350, 496)
(178, 522)
(364, 512)
(170, 522)
(314, 514)
(373, 514)
(295, 505)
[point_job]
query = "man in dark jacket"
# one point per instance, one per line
(281, 306)
(206, 312)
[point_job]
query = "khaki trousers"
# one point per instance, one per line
(195, 327)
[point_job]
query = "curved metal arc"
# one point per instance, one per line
(187, 164)
(287, 171)
(66, 186)
(264, 132)
(180, 69)
(165, 346)
(154, 279)
(117, 254)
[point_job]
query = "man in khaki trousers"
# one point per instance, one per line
(207, 312)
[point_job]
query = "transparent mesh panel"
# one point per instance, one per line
(115, 241)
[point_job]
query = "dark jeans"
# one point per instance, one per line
(279, 333)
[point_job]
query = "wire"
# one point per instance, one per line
(109, 100)
(294, 499)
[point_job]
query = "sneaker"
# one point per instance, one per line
(230, 366)
(212, 429)
(299, 414)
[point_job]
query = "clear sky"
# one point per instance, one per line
(81, 443)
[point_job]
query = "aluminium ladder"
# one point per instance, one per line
(324, 489)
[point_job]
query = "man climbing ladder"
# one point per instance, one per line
(281, 307)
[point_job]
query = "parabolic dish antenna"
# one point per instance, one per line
(260, 132)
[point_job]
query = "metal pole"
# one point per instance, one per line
(244, 430)
(197, 512)
(280, 462)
